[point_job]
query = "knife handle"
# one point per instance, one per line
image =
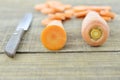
(13, 43)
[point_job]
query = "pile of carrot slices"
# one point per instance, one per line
(59, 11)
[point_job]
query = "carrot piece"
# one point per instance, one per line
(69, 13)
(95, 30)
(81, 14)
(54, 37)
(46, 21)
(107, 13)
(57, 6)
(39, 7)
(99, 8)
(106, 18)
(47, 11)
(57, 16)
(79, 8)
(67, 6)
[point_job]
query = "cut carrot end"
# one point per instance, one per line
(95, 33)
(53, 37)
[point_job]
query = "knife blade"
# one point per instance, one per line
(12, 45)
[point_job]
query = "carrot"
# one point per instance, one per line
(69, 13)
(46, 21)
(79, 8)
(67, 6)
(99, 8)
(39, 7)
(81, 14)
(95, 30)
(107, 13)
(47, 11)
(54, 37)
(57, 16)
(106, 18)
(57, 6)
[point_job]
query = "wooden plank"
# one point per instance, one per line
(12, 14)
(61, 66)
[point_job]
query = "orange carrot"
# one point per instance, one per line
(81, 14)
(107, 13)
(57, 6)
(79, 8)
(106, 18)
(95, 30)
(69, 13)
(54, 37)
(67, 6)
(57, 16)
(99, 8)
(46, 21)
(47, 11)
(39, 7)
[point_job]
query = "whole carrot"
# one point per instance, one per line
(95, 30)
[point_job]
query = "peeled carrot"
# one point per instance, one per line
(67, 6)
(79, 8)
(95, 30)
(39, 7)
(99, 8)
(81, 14)
(47, 11)
(57, 6)
(107, 13)
(69, 13)
(106, 18)
(54, 36)
(46, 21)
(57, 16)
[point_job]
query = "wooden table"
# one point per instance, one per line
(76, 61)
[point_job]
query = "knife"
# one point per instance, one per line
(15, 39)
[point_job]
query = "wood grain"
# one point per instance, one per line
(72, 66)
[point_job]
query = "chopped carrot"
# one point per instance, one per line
(54, 36)
(81, 14)
(95, 30)
(57, 6)
(99, 8)
(46, 21)
(69, 13)
(39, 7)
(47, 11)
(79, 8)
(106, 18)
(57, 16)
(67, 6)
(107, 14)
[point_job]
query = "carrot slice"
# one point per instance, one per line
(99, 8)
(39, 7)
(79, 8)
(69, 13)
(95, 30)
(46, 21)
(57, 6)
(107, 13)
(57, 16)
(67, 6)
(54, 37)
(47, 11)
(81, 14)
(107, 18)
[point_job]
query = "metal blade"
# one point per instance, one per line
(25, 23)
